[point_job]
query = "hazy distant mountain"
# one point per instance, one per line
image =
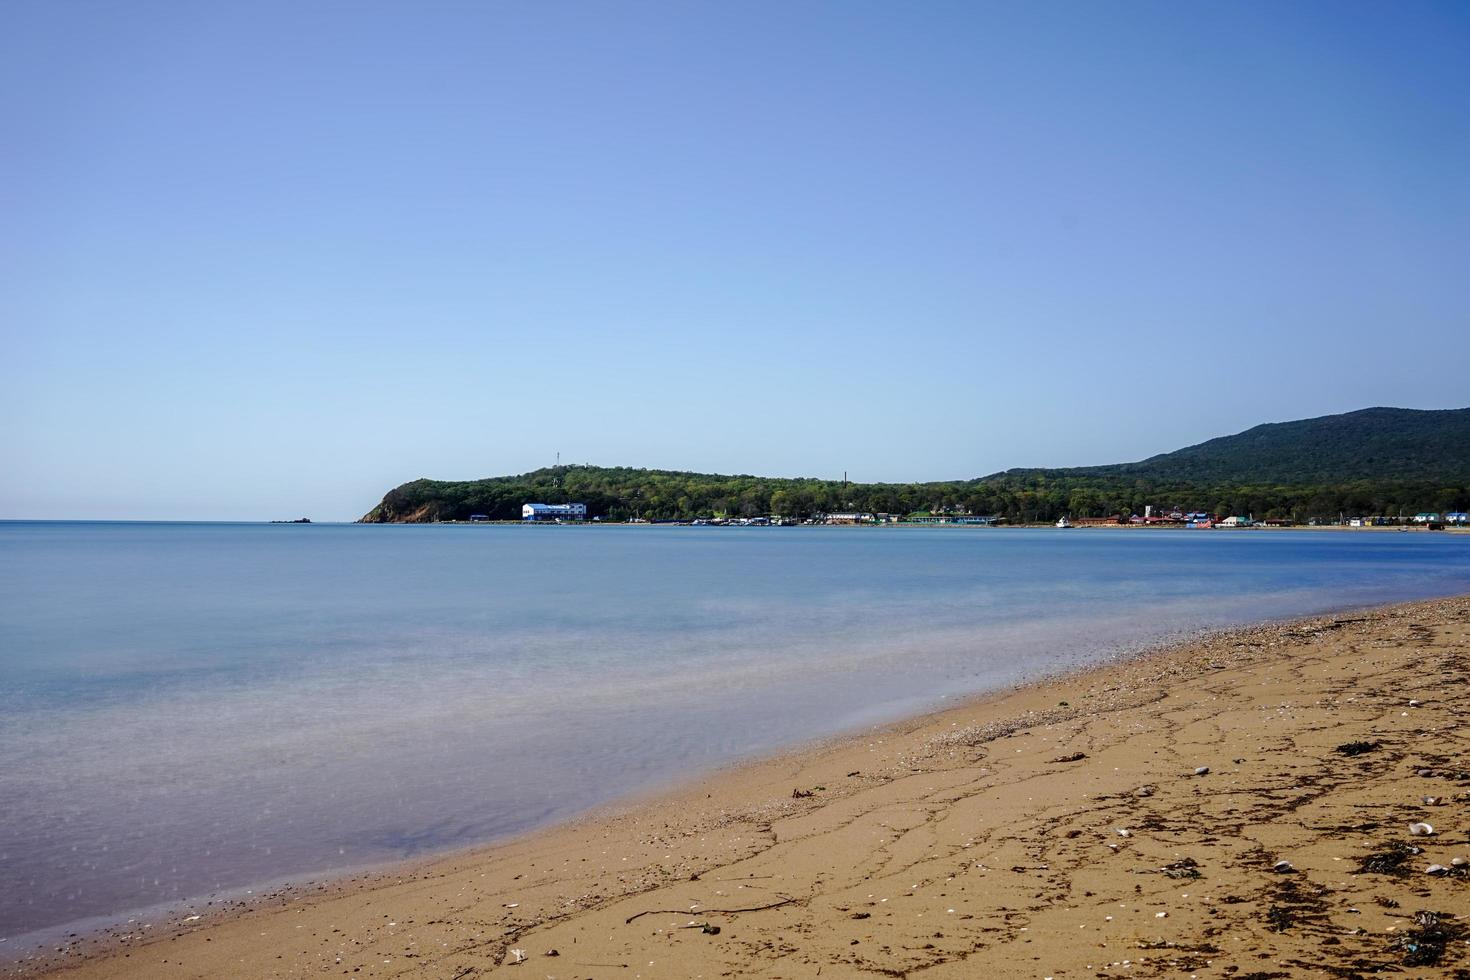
(1374, 461)
(1369, 444)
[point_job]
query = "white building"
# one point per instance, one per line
(554, 512)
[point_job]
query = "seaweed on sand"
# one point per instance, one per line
(1424, 944)
(1391, 861)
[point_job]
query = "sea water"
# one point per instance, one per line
(187, 709)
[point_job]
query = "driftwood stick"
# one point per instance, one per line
(758, 908)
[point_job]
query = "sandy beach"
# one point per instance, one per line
(1124, 821)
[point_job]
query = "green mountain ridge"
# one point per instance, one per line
(1369, 444)
(1372, 461)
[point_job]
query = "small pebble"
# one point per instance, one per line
(1202, 771)
(1124, 832)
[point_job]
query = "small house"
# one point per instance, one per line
(554, 512)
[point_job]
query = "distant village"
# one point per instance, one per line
(1175, 517)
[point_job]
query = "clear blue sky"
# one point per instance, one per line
(259, 260)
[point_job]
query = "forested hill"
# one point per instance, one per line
(1370, 444)
(1374, 461)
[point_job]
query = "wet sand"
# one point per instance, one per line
(1056, 830)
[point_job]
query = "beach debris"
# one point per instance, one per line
(1431, 800)
(1279, 918)
(1183, 868)
(1202, 770)
(1426, 773)
(1074, 757)
(1424, 943)
(518, 956)
(1124, 832)
(861, 915)
(1144, 790)
(1415, 703)
(1161, 915)
(1421, 829)
(755, 908)
(1357, 748)
(551, 952)
(1459, 862)
(1283, 867)
(801, 794)
(710, 930)
(512, 905)
(1436, 870)
(1390, 861)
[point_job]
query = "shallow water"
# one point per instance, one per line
(186, 708)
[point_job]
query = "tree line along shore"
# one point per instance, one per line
(623, 494)
(1384, 463)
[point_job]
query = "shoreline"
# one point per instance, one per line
(464, 909)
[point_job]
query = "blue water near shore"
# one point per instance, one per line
(187, 708)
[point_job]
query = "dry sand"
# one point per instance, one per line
(984, 841)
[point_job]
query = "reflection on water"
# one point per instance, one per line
(186, 708)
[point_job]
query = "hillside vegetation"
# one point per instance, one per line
(1374, 461)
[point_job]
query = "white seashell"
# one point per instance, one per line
(1421, 829)
(1282, 867)
(1161, 915)
(1437, 869)
(1459, 862)
(1415, 702)
(519, 954)
(1144, 791)
(1124, 832)
(1431, 800)
(1202, 771)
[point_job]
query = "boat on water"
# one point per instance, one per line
(1063, 522)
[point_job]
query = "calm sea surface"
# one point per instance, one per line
(187, 708)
